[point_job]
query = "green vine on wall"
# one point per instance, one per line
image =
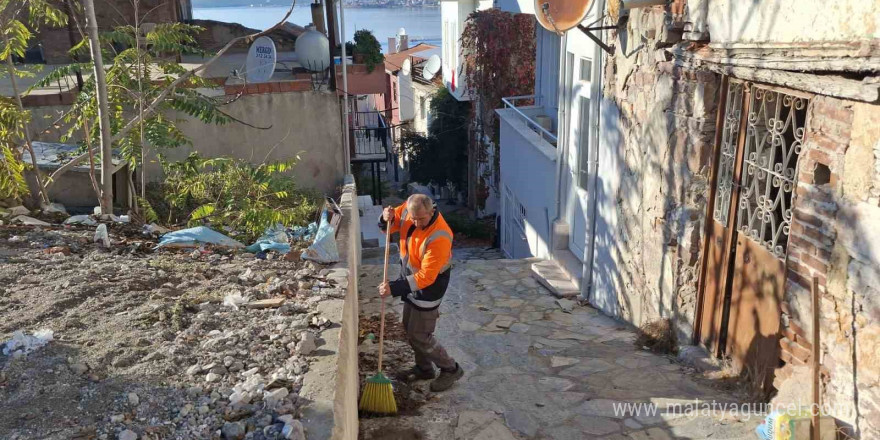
(499, 58)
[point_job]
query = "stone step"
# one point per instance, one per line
(570, 265)
(550, 275)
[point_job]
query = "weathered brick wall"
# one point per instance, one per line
(667, 123)
(834, 237)
(110, 14)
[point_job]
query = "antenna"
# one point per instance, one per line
(407, 67)
(561, 15)
(260, 63)
(431, 67)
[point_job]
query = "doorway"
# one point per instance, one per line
(761, 133)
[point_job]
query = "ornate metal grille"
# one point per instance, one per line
(727, 158)
(774, 137)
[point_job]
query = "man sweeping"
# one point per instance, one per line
(425, 260)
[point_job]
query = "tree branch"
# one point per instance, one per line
(153, 107)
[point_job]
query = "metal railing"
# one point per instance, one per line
(511, 103)
(369, 137)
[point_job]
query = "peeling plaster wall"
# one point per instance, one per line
(785, 21)
(654, 167)
(835, 239)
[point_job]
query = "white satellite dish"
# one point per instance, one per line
(260, 63)
(407, 67)
(431, 67)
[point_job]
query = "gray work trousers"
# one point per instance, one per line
(420, 327)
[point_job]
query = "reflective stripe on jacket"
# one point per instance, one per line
(425, 259)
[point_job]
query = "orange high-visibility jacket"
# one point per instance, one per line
(425, 259)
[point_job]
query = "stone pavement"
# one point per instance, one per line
(534, 371)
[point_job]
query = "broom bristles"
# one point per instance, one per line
(378, 396)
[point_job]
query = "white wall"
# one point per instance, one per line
(405, 95)
(547, 47)
(790, 21)
(528, 168)
(606, 282)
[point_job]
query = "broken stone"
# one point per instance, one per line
(306, 344)
(565, 304)
(79, 368)
(117, 418)
(127, 435)
(25, 220)
(502, 321)
(133, 399)
(275, 397)
(19, 210)
(233, 431)
(265, 303)
(293, 431)
(193, 370)
(212, 377)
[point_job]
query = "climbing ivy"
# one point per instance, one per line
(499, 58)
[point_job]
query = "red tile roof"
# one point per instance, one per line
(394, 61)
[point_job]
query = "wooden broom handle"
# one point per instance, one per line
(384, 280)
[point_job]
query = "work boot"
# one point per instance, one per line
(417, 373)
(447, 378)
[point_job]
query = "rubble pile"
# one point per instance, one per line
(177, 344)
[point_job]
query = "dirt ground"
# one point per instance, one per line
(143, 344)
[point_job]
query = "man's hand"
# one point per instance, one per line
(388, 214)
(384, 290)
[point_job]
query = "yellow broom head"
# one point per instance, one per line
(378, 396)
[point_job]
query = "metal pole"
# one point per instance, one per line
(344, 88)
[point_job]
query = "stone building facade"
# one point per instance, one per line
(667, 80)
(719, 157)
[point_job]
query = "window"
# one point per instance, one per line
(774, 138)
(586, 70)
(757, 166)
(583, 137)
(423, 108)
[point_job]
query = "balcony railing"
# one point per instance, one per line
(525, 106)
(369, 137)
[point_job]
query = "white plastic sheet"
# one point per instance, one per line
(323, 249)
(22, 344)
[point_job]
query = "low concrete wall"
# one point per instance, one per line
(304, 123)
(345, 404)
(331, 384)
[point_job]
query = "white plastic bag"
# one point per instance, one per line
(101, 235)
(22, 344)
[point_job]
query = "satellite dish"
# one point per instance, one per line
(313, 50)
(260, 63)
(407, 67)
(431, 67)
(561, 15)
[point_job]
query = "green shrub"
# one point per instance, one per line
(241, 198)
(367, 46)
(470, 228)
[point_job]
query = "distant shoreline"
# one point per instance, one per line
(264, 5)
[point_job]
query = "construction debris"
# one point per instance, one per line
(150, 350)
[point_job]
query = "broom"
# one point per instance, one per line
(378, 396)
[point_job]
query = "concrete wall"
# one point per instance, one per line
(305, 123)
(347, 384)
(793, 21)
(656, 139)
(528, 169)
(331, 385)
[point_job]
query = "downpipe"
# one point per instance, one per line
(590, 251)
